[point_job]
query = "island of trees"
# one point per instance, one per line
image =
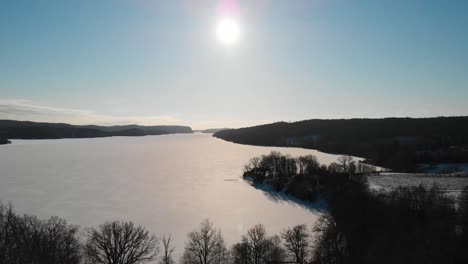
(401, 144)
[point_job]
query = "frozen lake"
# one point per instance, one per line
(165, 183)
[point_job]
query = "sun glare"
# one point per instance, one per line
(228, 31)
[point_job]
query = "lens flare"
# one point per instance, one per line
(227, 8)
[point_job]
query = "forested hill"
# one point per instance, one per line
(397, 143)
(32, 130)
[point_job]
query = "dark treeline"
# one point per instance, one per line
(409, 225)
(32, 130)
(406, 225)
(397, 143)
(29, 240)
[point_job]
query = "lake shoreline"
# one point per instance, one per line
(318, 206)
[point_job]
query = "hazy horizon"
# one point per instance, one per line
(227, 63)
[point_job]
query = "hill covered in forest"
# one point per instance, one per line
(10, 129)
(402, 144)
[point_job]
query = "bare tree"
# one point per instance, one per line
(345, 162)
(296, 241)
(255, 247)
(352, 167)
(329, 244)
(27, 239)
(257, 241)
(307, 164)
(275, 252)
(188, 258)
(205, 246)
(120, 243)
(168, 249)
(254, 163)
(334, 167)
(240, 253)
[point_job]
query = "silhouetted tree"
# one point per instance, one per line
(462, 253)
(334, 168)
(308, 164)
(346, 162)
(168, 249)
(205, 246)
(296, 241)
(329, 246)
(257, 241)
(275, 253)
(463, 210)
(189, 258)
(26, 239)
(120, 243)
(241, 253)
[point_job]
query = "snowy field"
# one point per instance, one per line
(452, 184)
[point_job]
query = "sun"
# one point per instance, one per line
(228, 31)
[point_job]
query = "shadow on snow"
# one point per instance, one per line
(319, 206)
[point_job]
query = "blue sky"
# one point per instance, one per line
(156, 61)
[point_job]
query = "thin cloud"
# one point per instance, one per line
(26, 110)
(25, 107)
(29, 111)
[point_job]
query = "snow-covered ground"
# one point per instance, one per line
(452, 184)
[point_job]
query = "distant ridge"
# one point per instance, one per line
(398, 143)
(11, 129)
